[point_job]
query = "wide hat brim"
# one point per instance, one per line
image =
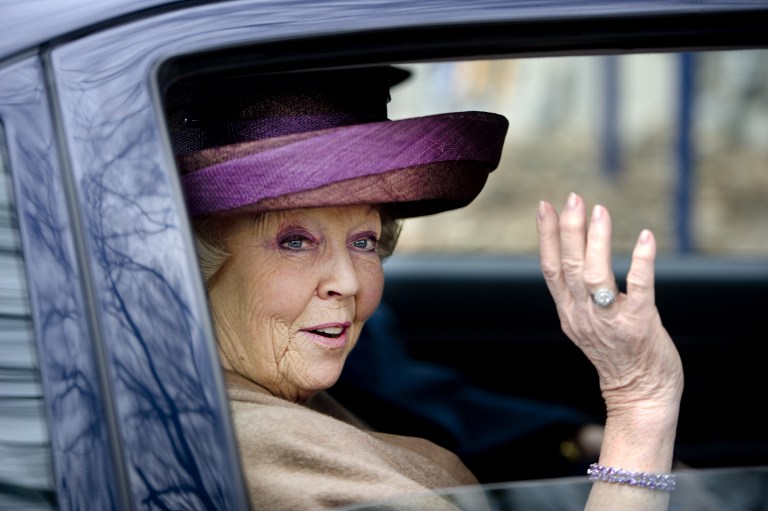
(418, 166)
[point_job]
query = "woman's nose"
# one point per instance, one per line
(339, 275)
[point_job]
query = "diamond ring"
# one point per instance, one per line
(604, 297)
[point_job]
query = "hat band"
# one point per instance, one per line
(199, 134)
(260, 129)
(339, 154)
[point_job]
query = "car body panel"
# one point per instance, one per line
(77, 402)
(72, 17)
(152, 317)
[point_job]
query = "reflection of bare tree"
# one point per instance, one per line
(73, 396)
(77, 402)
(161, 398)
(164, 410)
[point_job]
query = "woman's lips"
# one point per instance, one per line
(332, 335)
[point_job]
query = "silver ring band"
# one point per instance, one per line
(604, 297)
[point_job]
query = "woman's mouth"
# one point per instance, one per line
(331, 332)
(330, 335)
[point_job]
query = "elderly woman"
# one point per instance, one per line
(295, 184)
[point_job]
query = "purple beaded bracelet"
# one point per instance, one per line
(664, 482)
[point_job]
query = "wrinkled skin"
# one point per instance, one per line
(640, 371)
(291, 299)
(626, 342)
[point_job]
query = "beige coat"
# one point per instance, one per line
(318, 456)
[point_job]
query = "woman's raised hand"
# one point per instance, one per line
(636, 360)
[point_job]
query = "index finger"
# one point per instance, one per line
(548, 228)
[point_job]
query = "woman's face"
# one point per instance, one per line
(290, 301)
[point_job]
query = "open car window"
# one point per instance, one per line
(670, 141)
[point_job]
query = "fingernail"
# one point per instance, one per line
(645, 236)
(542, 210)
(573, 200)
(597, 212)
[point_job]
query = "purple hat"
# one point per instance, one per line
(322, 138)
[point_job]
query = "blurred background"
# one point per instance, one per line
(677, 143)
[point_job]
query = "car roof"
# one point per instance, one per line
(26, 24)
(29, 23)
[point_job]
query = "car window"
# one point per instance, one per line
(25, 463)
(674, 142)
(654, 137)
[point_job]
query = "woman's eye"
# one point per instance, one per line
(367, 244)
(294, 243)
